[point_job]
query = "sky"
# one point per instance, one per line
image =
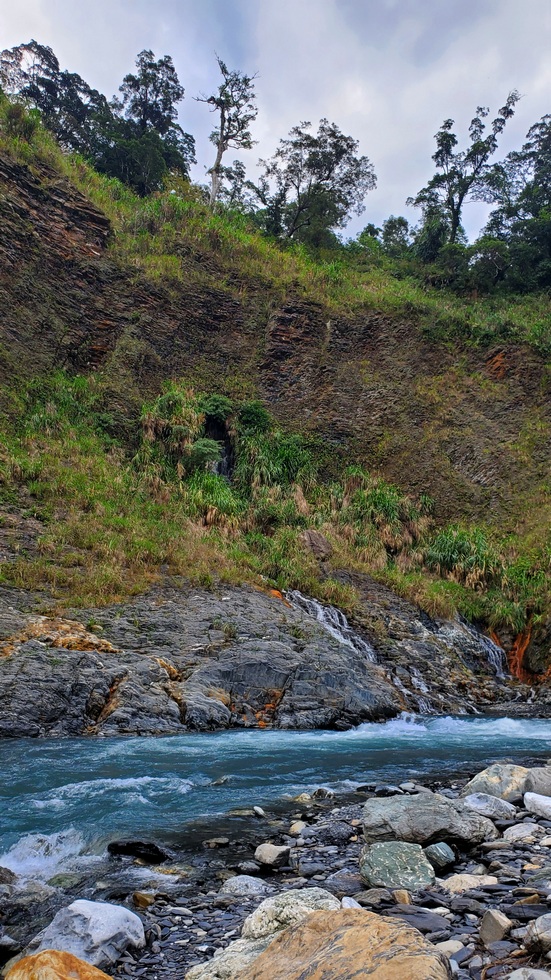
(387, 72)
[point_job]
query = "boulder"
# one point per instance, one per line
(350, 943)
(316, 543)
(54, 965)
(538, 804)
(287, 909)
(424, 819)
(271, 855)
(229, 963)
(538, 780)
(7, 877)
(457, 884)
(440, 855)
(538, 934)
(505, 781)
(343, 883)
(395, 865)
(147, 851)
(490, 806)
(526, 832)
(94, 931)
(245, 886)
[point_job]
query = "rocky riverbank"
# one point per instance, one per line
(183, 659)
(440, 881)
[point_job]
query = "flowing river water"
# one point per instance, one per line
(63, 799)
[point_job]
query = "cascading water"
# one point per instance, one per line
(495, 655)
(333, 621)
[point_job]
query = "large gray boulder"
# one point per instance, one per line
(94, 931)
(396, 865)
(505, 781)
(424, 819)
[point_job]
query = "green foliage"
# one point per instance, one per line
(216, 408)
(464, 555)
(253, 419)
(270, 459)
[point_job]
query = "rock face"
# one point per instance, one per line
(93, 931)
(349, 943)
(54, 965)
(177, 660)
(424, 819)
(395, 865)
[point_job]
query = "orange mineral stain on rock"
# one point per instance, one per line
(54, 965)
(55, 632)
(515, 656)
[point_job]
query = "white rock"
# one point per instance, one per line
(527, 973)
(538, 934)
(521, 831)
(97, 932)
(540, 805)
(271, 855)
(490, 806)
(457, 884)
(297, 827)
(229, 963)
(245, 885)
(286, 909)
(449, 947)
(350, 903)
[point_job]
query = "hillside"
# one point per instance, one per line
(445, 398)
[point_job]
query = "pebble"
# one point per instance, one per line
(509, 884)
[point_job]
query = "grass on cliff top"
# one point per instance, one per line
(112, 524)
(175, 239)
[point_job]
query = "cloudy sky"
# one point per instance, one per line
(386, 71)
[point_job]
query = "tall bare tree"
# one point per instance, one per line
(234, 102)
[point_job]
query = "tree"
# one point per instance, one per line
(235, 104)
(150, 97)
(149, 100)
(319, 181)
(396, 235)
(521, 188)
(463, 174)
(68, 106)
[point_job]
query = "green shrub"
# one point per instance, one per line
(464, 556)
(216, 408)
(253, 418)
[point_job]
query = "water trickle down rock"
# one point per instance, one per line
(334, 622)
(495, 654)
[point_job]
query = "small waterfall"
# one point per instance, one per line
(494, 654)
(334, 622)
